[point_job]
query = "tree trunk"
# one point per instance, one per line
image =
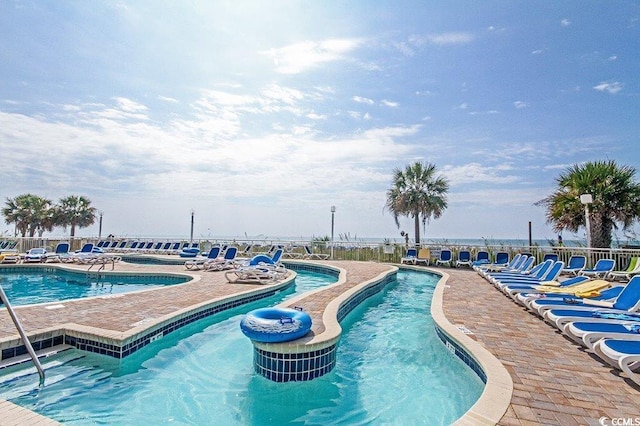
(600, 232)
(417, 228)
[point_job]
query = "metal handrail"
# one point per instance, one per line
(23, 335)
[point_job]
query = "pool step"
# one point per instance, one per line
(24, 366)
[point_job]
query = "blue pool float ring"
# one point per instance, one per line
(189, 252)
(272, 325)
(260, 258)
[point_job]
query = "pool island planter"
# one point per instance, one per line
(314, 355)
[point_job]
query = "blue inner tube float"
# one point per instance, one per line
(260, 258)
(272, 325)
(189, 252)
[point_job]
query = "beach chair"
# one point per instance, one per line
(632, 269)
(575, 265)
(623, 354)
(199, 263)
(410, 256)
(61, 251)
(423, 257)
(227, 261)
(482, 258)
(601, 269)
(464, 258)
(444, 258)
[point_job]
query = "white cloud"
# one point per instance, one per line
(300, 57)
(565, 22)
(363, 100)
(608, 87)
(476, 173)
(613, 58)
(463, 106)
(520, 104)
(127, 105)
(538, 51)
(442, 39)
(389, 104)
(168, 99)
(315, 116)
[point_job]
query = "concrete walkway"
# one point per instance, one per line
(555, 381)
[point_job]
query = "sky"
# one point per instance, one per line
(259, 116)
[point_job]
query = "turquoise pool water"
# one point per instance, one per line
(391, 369)
(25, 286)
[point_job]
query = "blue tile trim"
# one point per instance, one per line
(456, 349)
(311, 268)
(304, 366)
(300, 367)
(168, 278)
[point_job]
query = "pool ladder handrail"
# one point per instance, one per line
(23, 335)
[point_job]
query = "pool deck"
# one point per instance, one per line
(554, 381)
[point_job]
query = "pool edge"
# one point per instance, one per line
(496, 396)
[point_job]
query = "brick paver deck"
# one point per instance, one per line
(555, 382)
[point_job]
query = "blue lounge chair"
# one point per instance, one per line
(536, 273)
(534, 285)
(627, 303)
(587, 333)
(482, 258)
(464, 258)
(444, 258)
(61, 252)
(501, 262)
(543, 302)
(502, 258)
(227, 261)
(410, 257)
(199, 263)
(260, 269)
(601, 269)
(623, 354)
(575, 265)
(522, 265)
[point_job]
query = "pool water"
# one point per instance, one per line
(41, 285)
(391, 369)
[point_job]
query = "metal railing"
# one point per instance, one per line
(23, 335)
(364, 251)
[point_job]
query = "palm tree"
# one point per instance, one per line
(616, 200)
(75, 211)
(418, 193)
(29, 213)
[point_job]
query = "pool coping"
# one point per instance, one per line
(496, 396)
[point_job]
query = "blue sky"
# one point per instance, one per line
(259, 116)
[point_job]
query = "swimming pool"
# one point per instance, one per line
(25, 286)
(391, 368)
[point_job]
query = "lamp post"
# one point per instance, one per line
(191, 234)
(100, 225)
(587, 199)
(333, 213)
